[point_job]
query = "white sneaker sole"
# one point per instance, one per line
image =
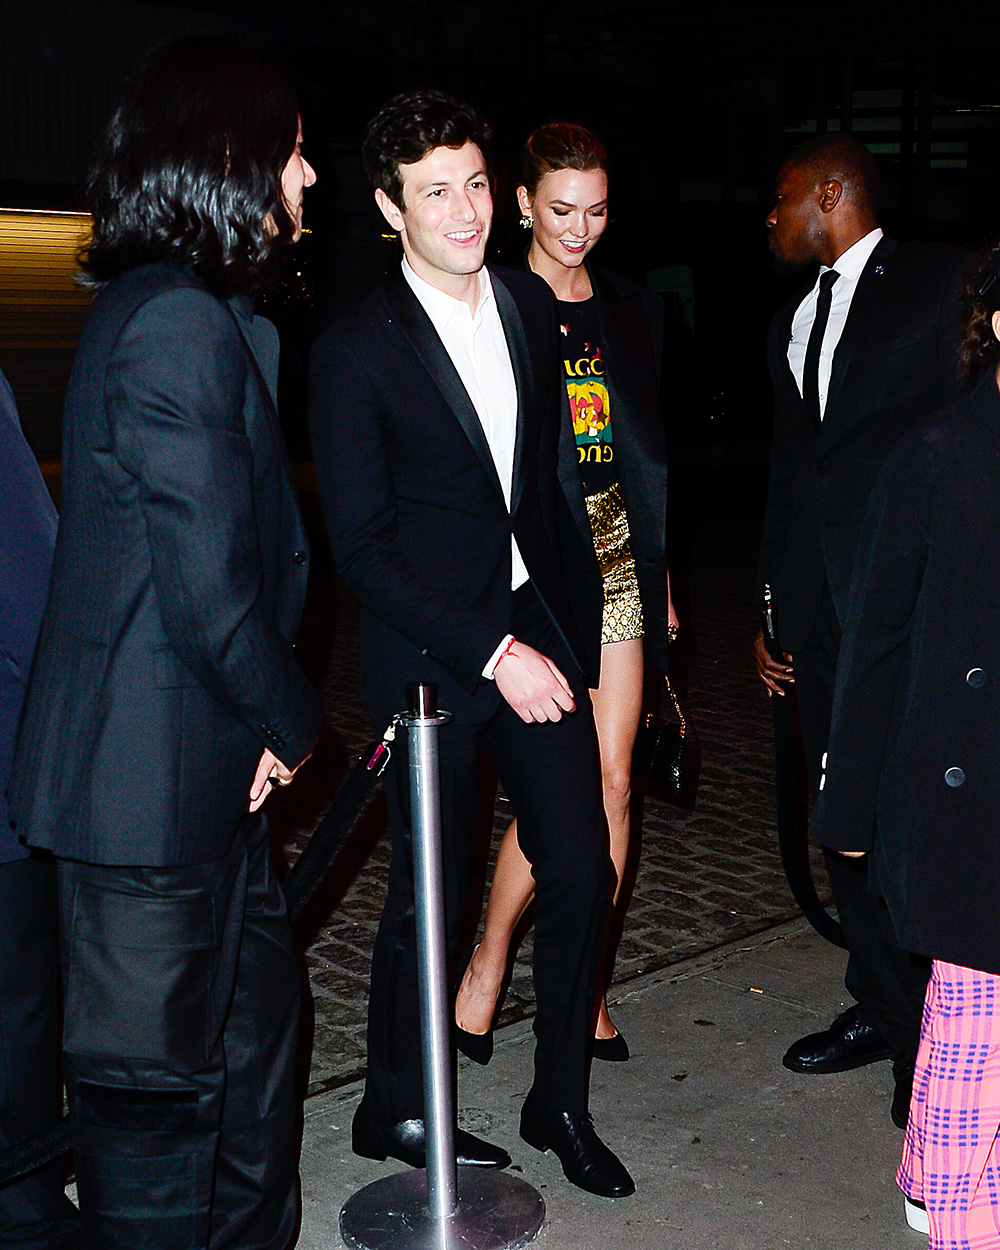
(916, 1216)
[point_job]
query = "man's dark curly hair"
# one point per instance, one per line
(980, 350)
(189, 170)
(411, 125)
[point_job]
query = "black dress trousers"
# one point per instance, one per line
(35, 1213)
(182, 1002)
(551, 775)
(887, 982)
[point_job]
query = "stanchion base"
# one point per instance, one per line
(495, 1212)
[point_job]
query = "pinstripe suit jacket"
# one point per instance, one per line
(165, 663)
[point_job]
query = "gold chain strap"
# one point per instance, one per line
(676, 702)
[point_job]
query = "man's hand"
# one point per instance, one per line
(532, 684)
(270, 772)
(853, 854)
(772, 672)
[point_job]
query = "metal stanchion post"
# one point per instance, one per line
(442, 1207)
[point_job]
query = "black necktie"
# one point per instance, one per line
(810, 372)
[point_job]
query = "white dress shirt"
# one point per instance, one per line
(478, 349)
(849, 265)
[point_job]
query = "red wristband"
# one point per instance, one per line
(504, 653)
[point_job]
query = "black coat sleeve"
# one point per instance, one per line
(175, 390)
(779, 492)
(887, 582)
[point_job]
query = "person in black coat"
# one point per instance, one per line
(434, 420)
(867, 349)
(35, 1214)
(911, 774)
(165, 696)
(613, 470)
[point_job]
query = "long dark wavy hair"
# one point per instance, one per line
(980, 349)
(189, 170)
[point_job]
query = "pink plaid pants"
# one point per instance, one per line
(951, 1155)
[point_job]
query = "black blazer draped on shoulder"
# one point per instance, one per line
(631, 321)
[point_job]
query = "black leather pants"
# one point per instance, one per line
(182, 1002)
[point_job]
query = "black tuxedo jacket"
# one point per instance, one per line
(164, 664)
(416, 515)
(912, 763)
(631, 322)
(896, 361)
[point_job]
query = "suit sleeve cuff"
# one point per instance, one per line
(494, 659)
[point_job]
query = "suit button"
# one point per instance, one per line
(976, 678)
(955, 777)
(300, 557)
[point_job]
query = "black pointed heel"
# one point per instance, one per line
(611, 1049)
(475, 1046)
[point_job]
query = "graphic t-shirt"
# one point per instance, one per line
(589, 394)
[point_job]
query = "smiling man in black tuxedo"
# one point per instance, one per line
(866, 350)
(434, 416)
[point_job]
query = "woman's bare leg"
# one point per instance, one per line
(617, 706)
(512, 890)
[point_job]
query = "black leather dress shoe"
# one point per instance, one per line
(405, 1141)
(585, 1159)
(848, 1043)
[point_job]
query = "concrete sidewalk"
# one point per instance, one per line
(729, 1150)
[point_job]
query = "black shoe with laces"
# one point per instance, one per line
(847, 1044)
(585, 1159)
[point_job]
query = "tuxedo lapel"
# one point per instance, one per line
(863, 306)
(517, 345)
(417, 327)
(271, 418)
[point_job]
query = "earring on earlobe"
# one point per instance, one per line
(527, 221)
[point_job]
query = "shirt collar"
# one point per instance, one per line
(851, 263)
(441, 308)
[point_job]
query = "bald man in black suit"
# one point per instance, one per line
(856, 358)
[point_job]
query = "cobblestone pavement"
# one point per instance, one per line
(704, 877)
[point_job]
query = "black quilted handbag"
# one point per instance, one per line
(667, 754)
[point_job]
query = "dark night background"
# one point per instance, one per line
(698, 104)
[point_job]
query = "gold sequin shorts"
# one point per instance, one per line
(609, 527)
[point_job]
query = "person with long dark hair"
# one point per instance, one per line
(165, 698)
(614, 476)
(910, 781)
